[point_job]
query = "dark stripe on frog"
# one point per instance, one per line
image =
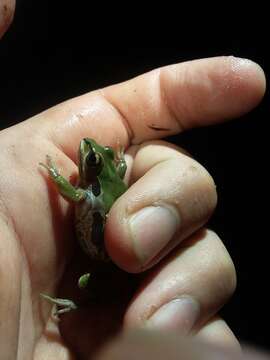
(96, 188)
(97, 229)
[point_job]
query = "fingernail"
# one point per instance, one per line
(151, 229)
(179, 314)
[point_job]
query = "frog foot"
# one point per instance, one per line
(68, 191)
(62, 305)
(84, 281)
(120, 162)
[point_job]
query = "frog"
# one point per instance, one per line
(101, 171)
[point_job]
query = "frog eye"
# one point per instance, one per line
(93, 159)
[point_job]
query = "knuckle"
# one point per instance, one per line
(208, 189)
(199, 191)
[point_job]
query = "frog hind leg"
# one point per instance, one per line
(62, 305)
(66, 305)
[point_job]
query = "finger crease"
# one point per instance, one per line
(164, 99)
(120, 115)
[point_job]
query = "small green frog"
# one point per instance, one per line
(101, 173)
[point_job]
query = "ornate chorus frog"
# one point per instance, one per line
(101, 173)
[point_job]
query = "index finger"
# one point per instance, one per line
(160, 103)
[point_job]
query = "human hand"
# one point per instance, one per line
(184, 260)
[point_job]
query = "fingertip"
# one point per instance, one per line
(249, 77)
(209, 91)
(117, 241)
(169, 197)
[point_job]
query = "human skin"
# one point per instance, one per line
(161, 345)
(187, 264)
(7, 8)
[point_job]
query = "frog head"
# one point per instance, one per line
(93, 159)
(90, 162)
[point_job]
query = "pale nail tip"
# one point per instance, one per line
(179, 314)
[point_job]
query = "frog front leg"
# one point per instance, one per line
(66, 189)
(69, 192)
(120, 162)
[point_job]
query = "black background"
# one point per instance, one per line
(50, 55)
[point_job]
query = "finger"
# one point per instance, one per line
(217, 332)
(7, 8)
(172, 98)
(171, 197)
(162, 345)
(193, 93)
(185, 291)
